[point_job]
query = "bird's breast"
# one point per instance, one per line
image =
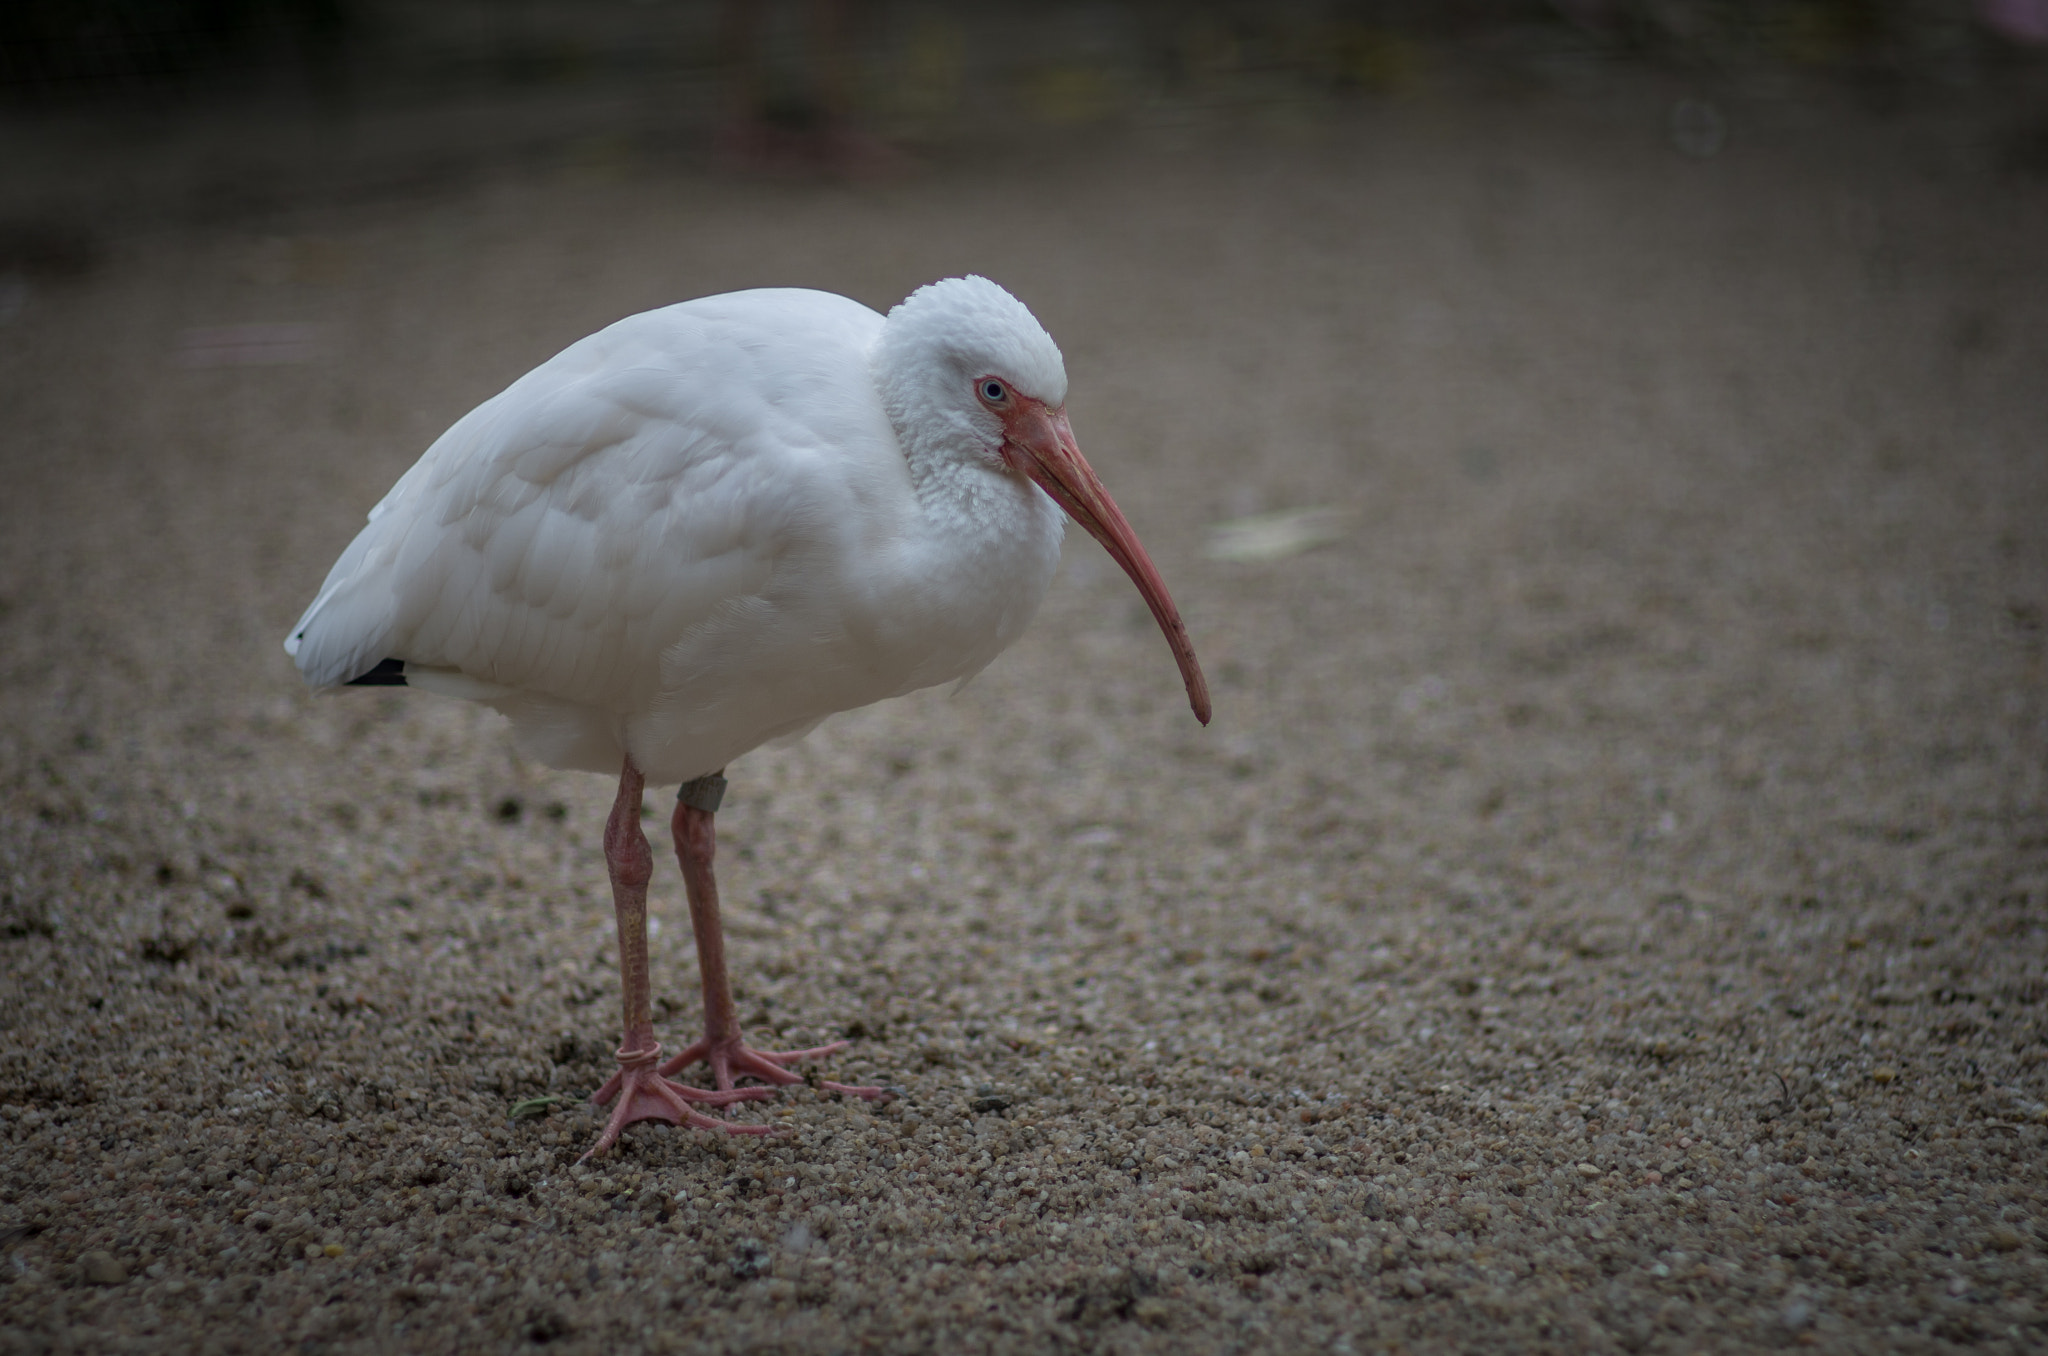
(884, 598)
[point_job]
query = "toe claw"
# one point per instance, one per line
(865, 1094)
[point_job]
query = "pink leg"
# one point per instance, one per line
(721, 1048)
(642, 1093)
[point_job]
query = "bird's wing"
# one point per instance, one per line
(561, 535)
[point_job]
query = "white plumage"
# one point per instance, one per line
(696, 531)
(711, 526)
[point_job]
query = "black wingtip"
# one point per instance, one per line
(388, 673)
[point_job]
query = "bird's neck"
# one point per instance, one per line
(988, 503)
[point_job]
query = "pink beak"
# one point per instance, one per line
(1039, 443)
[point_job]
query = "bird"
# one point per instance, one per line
(710, 526)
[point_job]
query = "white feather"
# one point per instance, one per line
(709, 526)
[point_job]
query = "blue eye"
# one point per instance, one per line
(993, 391)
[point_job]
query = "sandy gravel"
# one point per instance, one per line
(1609, 911)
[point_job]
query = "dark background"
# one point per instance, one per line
(259, 105)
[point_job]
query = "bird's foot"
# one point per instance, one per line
(642, 1094)
(734, 1058)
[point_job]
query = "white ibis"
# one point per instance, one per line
(714, 525)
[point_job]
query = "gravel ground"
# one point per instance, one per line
(1608, 912)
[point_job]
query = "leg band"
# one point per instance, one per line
(703, 793)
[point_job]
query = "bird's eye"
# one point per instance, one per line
(993, 391)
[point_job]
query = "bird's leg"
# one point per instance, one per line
(721, 1048)
(642, 1093)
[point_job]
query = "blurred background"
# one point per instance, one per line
(114, 112)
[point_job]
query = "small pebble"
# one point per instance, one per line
(102, 1268)
(1153, 1313)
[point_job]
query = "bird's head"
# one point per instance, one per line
(963, 366)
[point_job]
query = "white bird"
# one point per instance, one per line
(714, 525)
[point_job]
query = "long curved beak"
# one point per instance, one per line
(1039, 443)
